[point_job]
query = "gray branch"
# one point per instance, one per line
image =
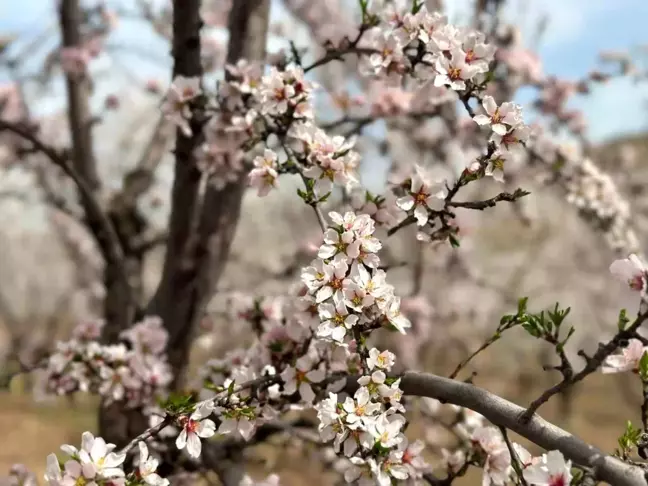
(503, 413)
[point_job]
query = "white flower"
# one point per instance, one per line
(148, 466)
(194, 427)
(238, 424)
(632, 271)
(339, 245)
(336, 321)
(387, 433)
(95, 451)
(628, 360)
(300, 377)
(176, 104)
(383, 360)
(424, 194)
(512, 140)
(552, 470)
(454, 72)
(499, 116)
(53, 474)
(360, 408)
(264, 175)
(394, 316)
(497, 469)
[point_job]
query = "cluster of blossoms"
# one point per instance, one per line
(134, 370)
(96, 463)
(308, 345)
(425, 44)
(591, 190)
(509, 134)
(368, 428)
(484, 446)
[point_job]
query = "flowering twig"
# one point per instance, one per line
(515, 459)
(591, 365)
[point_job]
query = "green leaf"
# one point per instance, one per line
(522, 305)
(623, 320)
(454, 242)
(643, 367)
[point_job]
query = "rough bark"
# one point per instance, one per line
(202, 223)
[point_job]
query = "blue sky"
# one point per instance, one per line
(577, 31)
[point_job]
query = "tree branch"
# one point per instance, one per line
(503, 413)
(78, 93)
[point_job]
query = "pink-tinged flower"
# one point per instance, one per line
(148, 466)
(75, 474)
(454, 72)
(74, 61)
(264, 176)
(552, 470)
(275, 93)
(628, 360)
(383, 360)
(343, 246)
(238, 423)
(425, 193)
(632, 271)
(497, 468)
(336, 321)
(176, 104)
(478, 53)
(360, 408)
(513, 139)
(194, 427)
(412, 458)
(499, 116)
(300, 378)
(454, 461)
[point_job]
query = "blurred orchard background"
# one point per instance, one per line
(583, 62)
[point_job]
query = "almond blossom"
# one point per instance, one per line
(632, 271)
(552, 470)
(264, 176)
(194, 427)
(300, 378)
(454, 72)
(176, 104)
(425, 194)
(498, 117)
(148, 466)
(628, 360)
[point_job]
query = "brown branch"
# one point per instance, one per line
(592, 364)
(104, 230)
(78, 94)
(195, 259)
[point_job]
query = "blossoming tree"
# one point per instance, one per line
(316, 349)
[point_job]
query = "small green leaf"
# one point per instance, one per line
(623, 320)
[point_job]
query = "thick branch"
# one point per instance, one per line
(78, 94)
(197, 250)
(506, 414)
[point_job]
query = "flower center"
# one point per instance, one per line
(454, 73)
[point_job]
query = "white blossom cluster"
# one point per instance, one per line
(309, 345)
(593, 192)
(135, 371)
(96, 463)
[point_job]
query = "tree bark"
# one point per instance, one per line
(202, 223)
